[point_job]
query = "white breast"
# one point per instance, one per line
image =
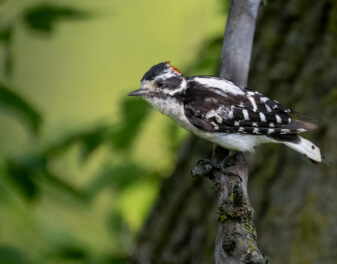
(174, 109)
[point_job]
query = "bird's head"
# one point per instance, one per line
(161, 80)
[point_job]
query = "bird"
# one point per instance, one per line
(225, 113)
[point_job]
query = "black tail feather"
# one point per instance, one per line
(300, 124)
(303, 117)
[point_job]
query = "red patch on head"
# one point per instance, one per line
(174, 68)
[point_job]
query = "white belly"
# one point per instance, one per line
(238, 142)
(232, 141)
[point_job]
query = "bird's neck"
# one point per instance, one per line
(170, 106)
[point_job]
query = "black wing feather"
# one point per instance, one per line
(214, 110)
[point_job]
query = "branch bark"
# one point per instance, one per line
(236, 239)
(238, 40)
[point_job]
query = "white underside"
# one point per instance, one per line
(232, 141)
(238, 142)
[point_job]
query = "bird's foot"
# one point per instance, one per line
(205, 167)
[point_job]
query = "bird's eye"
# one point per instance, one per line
(160, 83)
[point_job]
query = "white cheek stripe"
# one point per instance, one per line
(278, 119)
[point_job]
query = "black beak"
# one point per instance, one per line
(138, 92)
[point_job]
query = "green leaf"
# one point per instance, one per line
(92, 139)
(28, 172)
(134, 113)
(22, 178)
(120, 136)
(118, 176)
(70, 252)
(115, 221)
(12, 101)
(24, 174)
(8, 60)
(11, 255)
(6, 36)
(118, 259)
(43, 16)
(58, 182)
(89, 139)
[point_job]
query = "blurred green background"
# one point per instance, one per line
(80, 163)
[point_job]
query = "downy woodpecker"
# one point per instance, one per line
(224, 113)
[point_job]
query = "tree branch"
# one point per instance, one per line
(238, 40)
(236, 235)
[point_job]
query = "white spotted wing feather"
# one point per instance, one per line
(240, 119)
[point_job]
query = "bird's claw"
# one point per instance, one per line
(204, 167)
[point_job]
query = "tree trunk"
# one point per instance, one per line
(295, 62)
(236, 238)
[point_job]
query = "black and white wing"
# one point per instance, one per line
(217, 105)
